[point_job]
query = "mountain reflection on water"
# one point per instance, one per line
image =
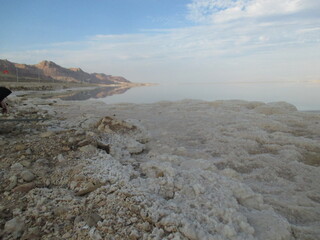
(94, 93)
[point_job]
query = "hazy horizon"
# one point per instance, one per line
(169, 40)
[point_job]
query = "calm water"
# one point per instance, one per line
(305, 96)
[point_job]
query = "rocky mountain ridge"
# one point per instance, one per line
(50, 71)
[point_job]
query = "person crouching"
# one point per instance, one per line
(4, 92)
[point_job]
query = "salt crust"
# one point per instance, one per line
(209, 170)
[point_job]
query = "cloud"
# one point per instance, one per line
(215, 11)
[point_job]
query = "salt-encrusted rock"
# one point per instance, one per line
(88, 149)
(20, 147)
(13, 180)
(71, 140)
(80, 132)
(42, 167)
(28, 151)
(27, 175)
(2, 209)
(91, 134)
(263, 221)
(103, 145)
(198, 164)
(26, 163)
(60, 210)
(46, 134)
(60, 158)
(24, 188)
(230, 173)
(47, 182)
(91, 219)
(88, 121)
(275, 108)
(15, 226)
(140, 134)
(66, 235)
(32, 234)
(134, 235)
(16, 167)
(155, 169)
(90, 187)
(109, 124)
(84, 142)
(94, 234)
(42, 162)
(135, 147)
(246, 197)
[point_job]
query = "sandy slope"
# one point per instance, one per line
(175, 170)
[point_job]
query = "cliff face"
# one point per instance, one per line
(104, 77)
(63, 74)
(23, 70)
(47, 70)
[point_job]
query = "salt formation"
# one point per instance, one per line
(180, 170)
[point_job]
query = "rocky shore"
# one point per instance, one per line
(169, 170)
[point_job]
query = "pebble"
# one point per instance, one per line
(33, 234)
(79, 132)
(60, 210)
(135, 147)
(13, 182)
(65, 148)
(26, 163)
(71, 140)
(17, 167)
(92, 219)
(15, 226)
(89, 188)
(27, 175)
(42, 162)
(88, 149)
(20, 147)
(46, 134)
(47, 182)
(28, 151)
(77, 220)
(24, 188)
(60, 158)
(134, 235)
(66, 235)
(90, 134)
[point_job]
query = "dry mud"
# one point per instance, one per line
(169, 170)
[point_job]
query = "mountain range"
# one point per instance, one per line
(50, 71)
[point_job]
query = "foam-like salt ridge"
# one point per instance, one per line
(211, 170)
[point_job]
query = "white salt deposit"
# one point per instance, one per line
(205, 170)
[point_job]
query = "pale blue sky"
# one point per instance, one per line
(34, 22)
(168, 40)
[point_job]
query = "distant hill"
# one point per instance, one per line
(50, 71)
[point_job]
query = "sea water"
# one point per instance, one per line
(304, 95)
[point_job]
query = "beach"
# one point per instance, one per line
(168, 170)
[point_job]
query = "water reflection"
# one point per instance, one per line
(93, 93)
(305, 96)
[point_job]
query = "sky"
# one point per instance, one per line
(168, 40)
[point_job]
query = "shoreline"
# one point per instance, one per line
(40, 86)
(54, 90)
